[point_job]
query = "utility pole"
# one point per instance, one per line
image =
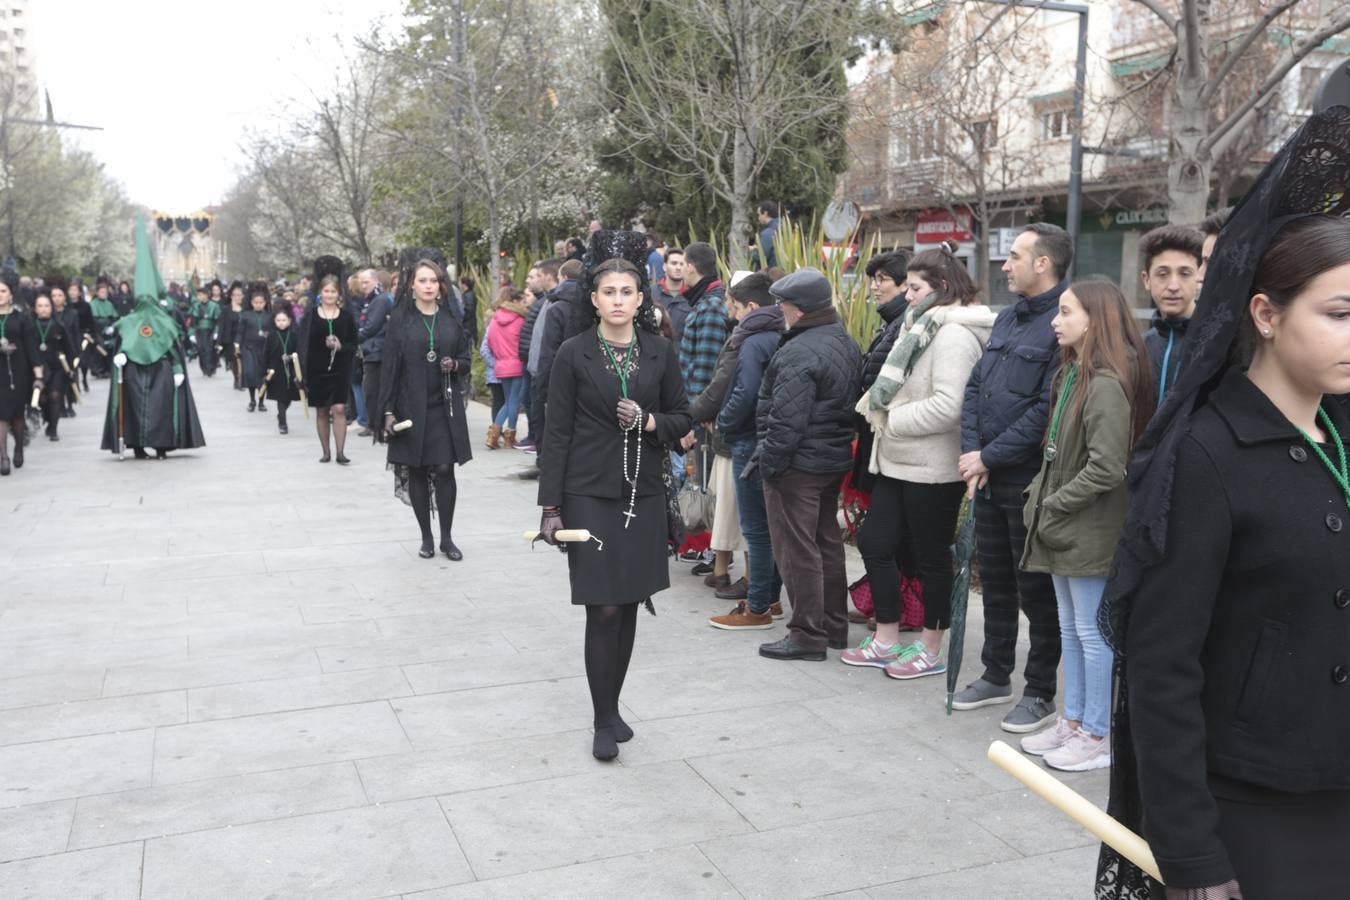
(1073, 212)
(457, 55)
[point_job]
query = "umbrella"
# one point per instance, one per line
(963, 548)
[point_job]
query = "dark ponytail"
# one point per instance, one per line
(947, 274)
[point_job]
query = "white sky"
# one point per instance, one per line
(174, 83)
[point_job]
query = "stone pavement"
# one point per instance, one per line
(228, 675)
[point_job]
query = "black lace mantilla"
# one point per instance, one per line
(627, 357)
(1309, 176)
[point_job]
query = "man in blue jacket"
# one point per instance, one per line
(375, 308)
(1003, 421)
(759, 328)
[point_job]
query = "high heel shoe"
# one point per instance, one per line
(605, 747)
(325, 458)
(342, 460)
(450, 550)
(428, 549)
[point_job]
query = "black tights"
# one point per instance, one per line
(252, 395)
(609, 647)
(419, 492)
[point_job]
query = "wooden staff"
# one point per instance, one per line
(266, 378)
(566, 535)
(300, 379)
(37, 394)
(101, 351)
(121, 418)
(70, 373)
(1075, 806)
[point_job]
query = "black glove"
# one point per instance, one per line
(628, 413)
(388, 425)
(448, 365)
(550, 523)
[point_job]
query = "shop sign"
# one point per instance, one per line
(1131, 219)
(936, 225)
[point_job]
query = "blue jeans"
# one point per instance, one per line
(513, 389)
(1087, 658)
(764, 584)
(359, 395)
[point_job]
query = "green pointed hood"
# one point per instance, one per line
(147, 332)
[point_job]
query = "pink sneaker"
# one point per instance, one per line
(1081, 753)
(870, 653)
(1052, 738)
(917, 663)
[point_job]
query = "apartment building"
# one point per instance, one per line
(18, 66)
(966, 133)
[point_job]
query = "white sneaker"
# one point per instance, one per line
(1052, 738)
(1081, 753)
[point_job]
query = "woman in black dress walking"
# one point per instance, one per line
(20, 372)
(251, 331)
(426, 348)
(56, 350)
(328, 343)
(282, 345)
(616, 400)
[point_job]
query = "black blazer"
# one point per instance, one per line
(583, 446)
(406, 383)
(1238, 645)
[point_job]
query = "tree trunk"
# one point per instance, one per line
(494, 245)
(1189, 168)
(738, 238)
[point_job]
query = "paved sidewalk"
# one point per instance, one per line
(228, 675)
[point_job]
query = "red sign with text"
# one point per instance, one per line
(937, 225)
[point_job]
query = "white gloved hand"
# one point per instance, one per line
(108, 330)
(120, 360)
(178, 378)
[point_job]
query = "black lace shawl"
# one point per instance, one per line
(609, 244)
(1309, 176)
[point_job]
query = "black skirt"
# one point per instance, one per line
(633, 564)
(1285, 846)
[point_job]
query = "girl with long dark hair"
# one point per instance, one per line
(328, 342)
(1104, 396)
(426, 349)
(251, 331)
(1229, 600)
(56, 350)
(20, 372)
(616, 400)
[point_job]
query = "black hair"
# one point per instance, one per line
(769, 208)
(753, 288)
(646, 312)
(653, 239)
(947, 275)
(467, 281)
(701, 256)
(575, 244)
(1213, 223)
(1181, 238)
(895, 264)
(259, 290)
(1300, 252)
(670, 251)
(1053, 242)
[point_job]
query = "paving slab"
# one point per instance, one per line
(213, 803)
(1067, 875)
(75, 767)
(40, 829)
(348, 855)
(81, 717)
(276, 741)
(514, 829)
(495, 713)
(304, 692)
(108, 873)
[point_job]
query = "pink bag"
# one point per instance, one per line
(911, 600)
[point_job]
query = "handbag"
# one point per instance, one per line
(911, 600)
(696, 498)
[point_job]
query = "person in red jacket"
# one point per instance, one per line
(503, 337)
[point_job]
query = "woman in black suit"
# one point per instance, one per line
(1230, 597)
(616, 399)
(426, 347)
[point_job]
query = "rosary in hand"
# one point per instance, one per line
(628, 425)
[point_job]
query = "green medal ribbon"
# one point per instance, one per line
(284, 335)
(42, 332)
(329, 323)
(4, 320)
(1341, 473)
(431, 334)
(621, 371)
(1051, 447)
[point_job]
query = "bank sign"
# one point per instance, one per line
(1131, 219)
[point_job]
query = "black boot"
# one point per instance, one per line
(281, 422)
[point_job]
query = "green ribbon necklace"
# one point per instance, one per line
(4, 320)
(1341, 473)
(1051, 447)
(431, 334)
(621, 371)
(42, 334)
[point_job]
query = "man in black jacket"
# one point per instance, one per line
(551, 328)
(804, 424)
(375, 309)
(1003, 421)
(1171, 256)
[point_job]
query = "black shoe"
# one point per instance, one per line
(140, 453)
(262, 407)
(428, 550)
(622, 733)
(325, 458)
(838, 645)
(736, 590)
(342, 460)
(4, 465)
(18, 454)
(529, 474)
(606, 745)
(785, 649)
(252, 406)
(161, 454)
(281, 426)
(451, 551)
(703, 568)
(54, 436)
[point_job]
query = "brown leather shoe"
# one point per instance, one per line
(777, 609)
(717, 581)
